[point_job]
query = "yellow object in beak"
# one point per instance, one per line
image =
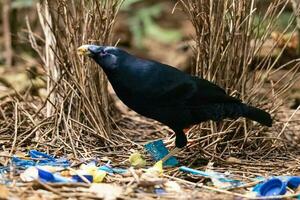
(84, 50)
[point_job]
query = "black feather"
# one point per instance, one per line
(164, 93)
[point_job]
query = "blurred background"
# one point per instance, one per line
(159, 30)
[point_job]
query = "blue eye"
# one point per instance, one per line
(103, 53)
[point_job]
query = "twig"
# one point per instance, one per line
(13, 147)
(287, 123)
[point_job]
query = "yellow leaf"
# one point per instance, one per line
(98, 176)
(136, 160)
(156, 170)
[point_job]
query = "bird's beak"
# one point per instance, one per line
(84, 50)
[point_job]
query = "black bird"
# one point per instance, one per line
(164, 93)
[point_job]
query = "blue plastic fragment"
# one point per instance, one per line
(107, 168)
(293, 182)
(47, 176)
(160, 191)
(22, 162)
(38, 154)
(119, 170)
(256, 188)
(3, 170)
(77, 178)
(42, 159)
(197, 172)
(272, 187)
(3, 178)
(213, 175)
(158, 150)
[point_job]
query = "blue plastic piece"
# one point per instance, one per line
(272, 187)
(77, 178)
(293, 182)
(197, 172)
(119, 170)
(107, 168)
(290, 181)
(3, 178)
(38, 154)
(47, 176)
(41, 159)
(160, 191)
(256, 188)
(158, 150)
(3, 170)
(216, 175)
(22, 163)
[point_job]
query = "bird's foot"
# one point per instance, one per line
(170, 154)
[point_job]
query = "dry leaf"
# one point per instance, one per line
(233, 160)
(136, 160)
(156, 170)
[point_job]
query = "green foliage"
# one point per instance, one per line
(281, 22)
(142, 24)
(17, 4)
(127, 4)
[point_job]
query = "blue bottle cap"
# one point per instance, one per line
(272, 187)
(293, 182)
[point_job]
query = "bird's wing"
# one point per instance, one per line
(208, 92)
(179, 88)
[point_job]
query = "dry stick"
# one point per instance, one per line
(81, 176)
(66, 122)
(13, 147)
(44, 122)
(247, 185)
(287, 123)
(48, 187)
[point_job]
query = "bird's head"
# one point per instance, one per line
(107, 57)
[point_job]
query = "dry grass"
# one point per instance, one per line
(227, 42)
(75, 118)
(77, 101)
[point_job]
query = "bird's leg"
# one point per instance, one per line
(180, 142)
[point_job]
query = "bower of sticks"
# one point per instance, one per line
(63, 105)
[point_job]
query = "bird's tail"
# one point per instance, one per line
(258, 115)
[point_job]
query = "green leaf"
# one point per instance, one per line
(127, 4)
